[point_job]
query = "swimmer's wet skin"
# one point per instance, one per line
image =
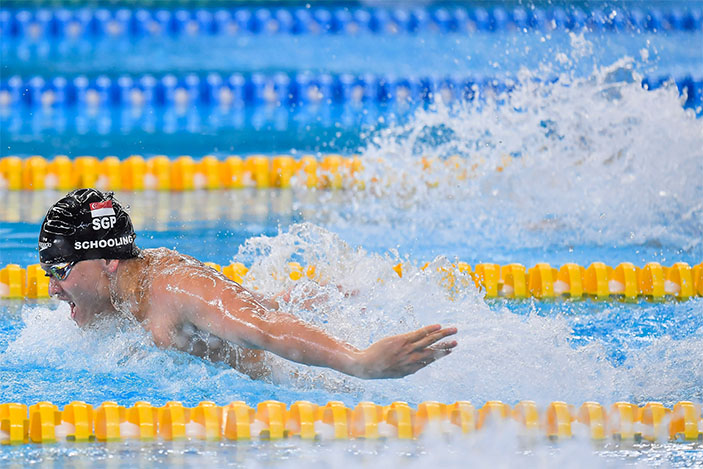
(87, 247)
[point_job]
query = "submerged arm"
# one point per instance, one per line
(237, 316)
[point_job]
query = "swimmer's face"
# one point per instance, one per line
(85, 288)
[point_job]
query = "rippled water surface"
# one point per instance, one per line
(577, 163)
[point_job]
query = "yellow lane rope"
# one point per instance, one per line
(184, 173)
(622, 421)
(598, 281)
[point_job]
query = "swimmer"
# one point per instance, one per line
(87, 249)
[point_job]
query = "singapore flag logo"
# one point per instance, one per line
(101, 209)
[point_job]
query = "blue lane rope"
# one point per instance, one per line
(279, 89)
(103, 22)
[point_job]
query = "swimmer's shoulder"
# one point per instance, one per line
(164, 257)
(162, 273)
(169, 265)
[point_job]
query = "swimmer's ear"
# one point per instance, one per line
(111, 265)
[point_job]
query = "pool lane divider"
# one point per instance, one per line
(598, 281)
(184, 173)
(44, 423)
(279, 89)
(113, 23)
(135, 173)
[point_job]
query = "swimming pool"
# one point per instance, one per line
(562, 162)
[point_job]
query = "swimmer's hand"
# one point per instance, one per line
(404, 354)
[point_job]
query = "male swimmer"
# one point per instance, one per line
(87, 248)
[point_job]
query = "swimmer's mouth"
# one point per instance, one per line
(71, 304)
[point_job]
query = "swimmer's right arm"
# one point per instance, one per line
(245, 321)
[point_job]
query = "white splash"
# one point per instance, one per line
(596, 160)
(50, 336)
(502, 355)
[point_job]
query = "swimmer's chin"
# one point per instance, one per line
(84, 319)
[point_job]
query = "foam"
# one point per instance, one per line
(594, 160)
(501, 355)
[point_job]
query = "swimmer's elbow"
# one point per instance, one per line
(271, 336)
(257, 338)
(279, 333)
(261, 340)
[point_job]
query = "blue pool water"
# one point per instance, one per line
(479, 57)
(593, 168)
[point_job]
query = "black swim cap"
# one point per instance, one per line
(86, 224)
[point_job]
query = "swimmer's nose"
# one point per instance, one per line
(54, 287)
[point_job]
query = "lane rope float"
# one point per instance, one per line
(70, 23)
(598, 281)
(43, 422)
(161, 173)
(136, 173)
(278, 89)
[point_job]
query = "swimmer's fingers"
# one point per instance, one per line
(404, 354)
(433, 336)
(431, 355)
(422, 332)
(446, 345)
(438, 351)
